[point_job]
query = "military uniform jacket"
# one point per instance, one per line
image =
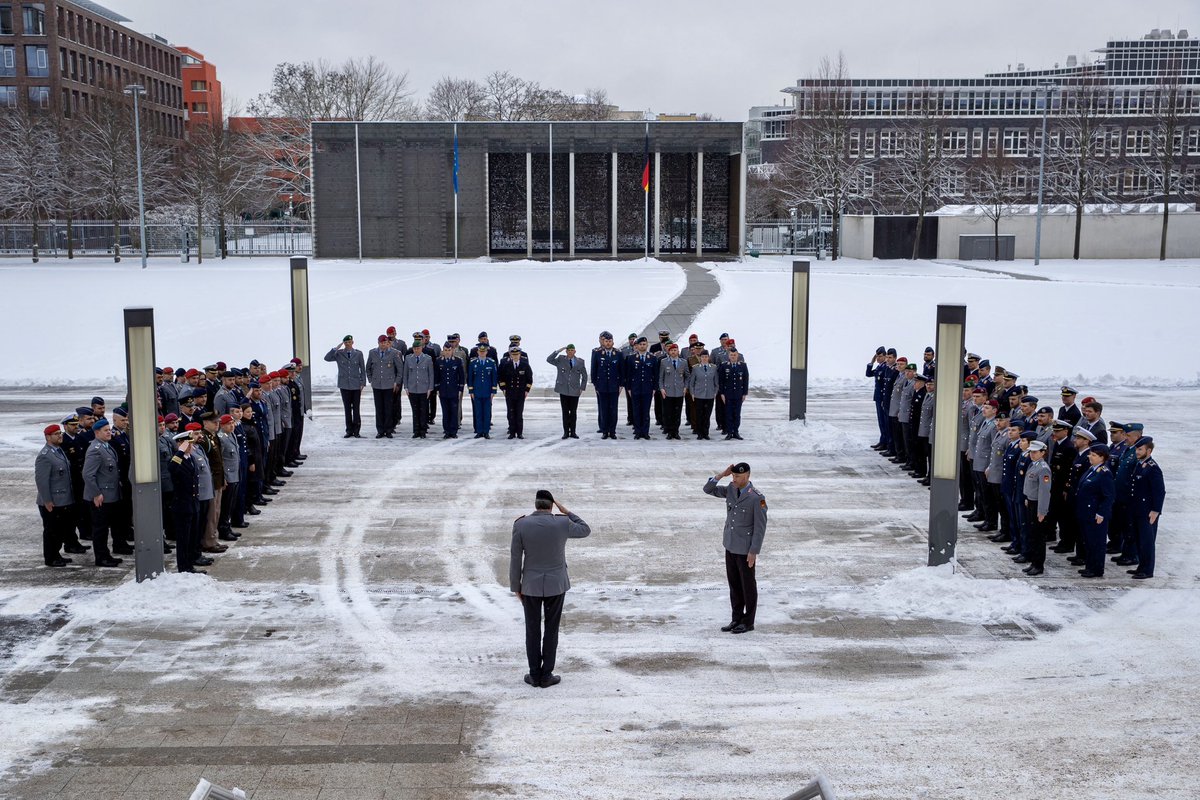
(1012, 477)
(166, 449)
(1045, 435)
(745, 516)
(52, 475)
(1037, 486)
(272, 401)
(538, 562)
(1126, 468)
(286, 419)
(254, 451)
(204, 475)
(1079, 466)
(879, 372)
(1071, 414)
(419, 377)
(1061, 462)
(230, 458)
(607, 370)
(101, 475)
(124, 450)
(481, 376)
(1096, 492)
(672, 376)
(641, 373)
(974, 419)
(968, 414)
(703, 382)
(352, 369)
(908, 394)
(925, 427)
(571, 377)
(734, 379)
(994, 467)
(212, 451)
(516, 377)
(186, 480)
(76, 449)
(168, 397)
(981, 456)
(385, 369)
(1148, 491)
(897, 392)
(224, 400)
(450, 378)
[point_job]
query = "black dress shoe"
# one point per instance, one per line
(241, 525)
(1112, 550)
(1062, 549)
(1087, 573)
(1120, 562)
(195, 571)
(76, 550)
(1033, 573)
(1000, 537)
(512, 436)
(1029, 569)
(254, 512)
(551, 680)
(520, 436)
(1079, 562)
(167, 549)
(1012, 551)
(379, 435)
(285, 473)
(357, 435)
(227, 537)
(1021, 559)
(487, 436)
(566, 436)
(203, 561)
(348, 436)
(965, 507)
(574, 435)
(529, 679)
(738, 436)
(924, 482)
(730, 626)
(985, 528)
(277, 482)
(1133, 572)
(1141, 576)
(109, 562)
(742, 628)
(58, 562)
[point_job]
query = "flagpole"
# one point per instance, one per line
(646, 203)
(456, 193)
(550, 127)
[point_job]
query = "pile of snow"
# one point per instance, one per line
(47, 720)
(942, 593)
(810, 438)
(171, 595)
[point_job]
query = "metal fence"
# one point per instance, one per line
(803, 235)
(179, 239)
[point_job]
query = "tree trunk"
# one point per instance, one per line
(70, 234)
(35, 240)
(199, 234)
(116, 240)
(916, 253)
(1162, 245)
(996, 238)
(221, 234)
(835, 234)
(1078, 229)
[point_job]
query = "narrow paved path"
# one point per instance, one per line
(701, 289)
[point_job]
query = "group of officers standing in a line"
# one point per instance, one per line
(1030, 475)
(656, 376)
(227, 438)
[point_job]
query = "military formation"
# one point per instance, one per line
(227, 439)
(678, 386)
(1030, 475)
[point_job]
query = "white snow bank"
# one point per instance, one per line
(171, 596)
(810, 438)
(46, 720)
(942, 593)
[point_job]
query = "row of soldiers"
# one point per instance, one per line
(657, 376)
(226, 442)
(1030, 475)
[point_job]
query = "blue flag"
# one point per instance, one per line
(456, 161)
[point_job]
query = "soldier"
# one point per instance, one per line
(293, 457)
(641, 377)
(1044, 419)
(210, 385)
(628, 349)
(904, 415)
(168, 392)
(672, 385)
(98, 407)
(569, 382)
(1062, 460)
(240, 506)
(993, 473)
(537, 575)
(226, 398)
(1122, 516)
(482, 384)
(745, 527)
(703, 385)
(929, 367)
(492, 353)
(1037, 491)
(254, 458)
(287, 420)
(352, 377)
(1147, 494)
(695, 347)
(981, 459)
(607, 371)
(972, 417)
(231, 465)
(101, 489)
(450, 384)
(877, 369)
(1082, 439)
(55, 496)
(1020, 465)
(121, 521)
(896, 453)
(1069, 411)
(925, 433)
(434, 353)
(185, 501)
(385, 372)
(464, 356)
(734, 382)
(985, 379)
(210, 426)
(419, 382)
(166, 487)
(515, 379)
(1093, 421)
(658, 351)
(1094, 500)
(75, 445)
(401, 349)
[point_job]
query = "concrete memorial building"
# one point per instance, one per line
(528, 189)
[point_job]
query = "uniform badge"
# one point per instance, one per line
(1045, 479)
(763, 503)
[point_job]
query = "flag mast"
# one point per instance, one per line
(456, 193)
(646, 196)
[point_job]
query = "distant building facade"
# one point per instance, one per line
(201, 90)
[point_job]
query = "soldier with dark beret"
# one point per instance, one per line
(641, 377)
(55, 496)
(515, 379)
(745, 527)
(102, 490)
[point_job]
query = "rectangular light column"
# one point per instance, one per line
(798, 396)
(657, 201)
(571, 201)
(300, 325)
(143, 437)
(943, 484)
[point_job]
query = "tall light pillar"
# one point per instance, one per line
(143, 437)
(137, 91)
(798, 396)
(943, 484)
(358, 191)
(300, 325)
(571, 201)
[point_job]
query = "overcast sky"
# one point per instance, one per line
(669, 56)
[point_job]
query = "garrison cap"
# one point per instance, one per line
(928, 349)
(891, 351)
(83, 410)
(120, 412)
(1143, 440)
(880, 350)
(985, 363)
(740, 468)
(640, 340)
(1084, 433)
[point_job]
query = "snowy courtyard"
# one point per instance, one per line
(360, 640)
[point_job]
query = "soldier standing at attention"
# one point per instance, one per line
(52, 475)
(745, 527)
(569, 383)
(734, 381)
(352, 377)
(607, 379)
(1037, 491)
(1094, 502)
(482, 382)
(641, 376)
(703, 387)
(419, 382)
(385, 370)
(102, 490)
(515, 379)
(672, 385)
(1145, 505)
(451, 378)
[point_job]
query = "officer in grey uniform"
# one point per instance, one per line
(52, 476)
(569, 382)
(925, 432)
(226, 398)
(385, 371)
(352, 377)
(537, 574)
(102, 490)
(745, 527)
(231, 465)
(672, 385)
(703, 385)
(1037, 490)
(419, 382)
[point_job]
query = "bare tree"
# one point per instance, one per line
(359, 89)
(28, 166)
(373, 91)
(916, 176)
(1167, 142)
(993, 186)
(594, 105)
(69, 195)
(282, 148)
(456, 100)
(1077, 162)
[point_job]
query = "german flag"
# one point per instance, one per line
(646, 167)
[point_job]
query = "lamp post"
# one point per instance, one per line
(136, 90)
(792, 211)
(798, 396)
(143, 429)
(1037, 236)
(300, 324)
(943, 484)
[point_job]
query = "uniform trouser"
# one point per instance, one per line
(720, 405)
(1035, 533)
(209, 538)
(254, 486)
(885, 434)
(101, 521)
(570, 412)
(1096, 536)
(450, 405)
(122, 519)
(1123, 516)
(238, 515)
(1063, 520)
(701, 415)
(297, 435)
(184, 517)
(689, 406)
(167, 517)
(419, 403)
(351, 400)
(658, 410)
(979, 492)
(897, 438)
(1147, 535)
(922, 462)
(1117, 527)
(967, 489)
(82, 517)
(228, 500)
(672, 413)
(743, 588)
(384, 399)
(481, 413)
(1014, 502)
(514, 401)
(433, 403)
(910, 444)
(397, 412)
(541, 647)
(733, 414)
(285, 441)
(628, 407)
(997, 514)
(641, 414)
(55, 525)
(606, 410)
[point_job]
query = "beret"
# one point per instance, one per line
(976, 390)
(180, 372)
(392, 330)
(723, 336)
(297, 361)
(733, 349)
(672, 346)
(84, 410)
(1003, 414)
(928, 349)
(254, 362)
(221, 365)
(49, 429)
(901, 360)
(191, 372)
(740, 468)
(1099, 449)
(198, 392)
(570, 347)
(448, 345)
(382, 338)
(97, 401)
(100, 423)
(170, 418)
(693, 337)
(229, 373)
(913, 367)
(425, 331)
(1088, 399)
(483, 335)
(1084, 433)
(544, 494)
(641, 339)
(225, 419)
(993, 403)
(1046, 410)
(160, 418)
(255, 384)
(192, 426)
(1144, 440)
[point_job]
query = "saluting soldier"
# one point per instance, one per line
(352, 377)
(607, 371)
(745, 528)
(672, 385)
(385, 373)
(1037, 491)
(1094, 500)
(641, 376)
(877, 370)
(185, 502)
(703, 386)
(1145, 506)
(55, 496)
(102, 490)
(451, 378)
(419, 383)
(569, 382)
(515, 379)
(482, 383)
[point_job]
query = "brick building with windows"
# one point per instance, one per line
(201, 90)
(1000, 114)
(68, 55)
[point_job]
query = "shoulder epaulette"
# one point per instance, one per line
(176, 460)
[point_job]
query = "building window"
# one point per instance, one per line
(8, 97)
(856, 142)
(870, 148)
(1018, 181)
(1138, 141)
(1193, 142)
(6, 23)
(39, 96)
(8, 61)
(35, 20)
(977, 142)
(1016, 142)
(993, 145)
(954, 142)
(954, 184)
(199, 86)
(1137, 181)
(201, 108)
(37, 64)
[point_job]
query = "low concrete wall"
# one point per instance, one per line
(858, 236)
(1102, 236)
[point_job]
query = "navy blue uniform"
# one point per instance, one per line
(515, 379)
(884, 377)
(483, 382)
(185, 510)
(606, 372)
(450, 387)
(734, 383)
(1147, 494)
(1094, 498)
(1010, 485)
(641, 376)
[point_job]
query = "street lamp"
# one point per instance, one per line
(300, 323)
(143, 428)
(943, 483)
(136, 90)
(798, 396)
(1037, 237)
